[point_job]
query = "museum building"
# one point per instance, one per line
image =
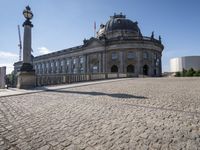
(119, 47)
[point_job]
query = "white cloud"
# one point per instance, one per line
(4, 54)
(43, 50)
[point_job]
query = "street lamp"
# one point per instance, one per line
(26, 75)
(28, 13)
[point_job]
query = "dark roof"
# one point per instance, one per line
(119, 22)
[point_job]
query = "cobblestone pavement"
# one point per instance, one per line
(162, 113)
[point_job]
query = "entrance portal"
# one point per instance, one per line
(130, 69)
(145, 70)
(114, 68)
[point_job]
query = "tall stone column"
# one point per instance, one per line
(58, 66)
(64, 65)
(54, 67)
(121, 57)
(160, 66)
(139, 65)
(27, 43)
(51, 66)
(100, 62)
(104, 62)
(77, 65)
(88, 64)
(84, 63)
(70, 65)
(26, 78)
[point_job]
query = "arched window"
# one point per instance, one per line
(130, 69)
(114, 68)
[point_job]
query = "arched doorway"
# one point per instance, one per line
(145, 70)
(130, 69)
(114, 68)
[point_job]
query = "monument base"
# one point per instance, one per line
(26, 80)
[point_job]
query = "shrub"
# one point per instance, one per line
(197, 73)
(178, 74)
(190, 72)
(184, 73)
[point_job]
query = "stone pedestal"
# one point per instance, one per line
(26, 80)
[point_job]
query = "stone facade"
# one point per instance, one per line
(118, 47)
(2, 77)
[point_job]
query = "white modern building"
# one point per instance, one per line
(187, 62)
(2, 77)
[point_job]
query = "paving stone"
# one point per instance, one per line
(46, 147)
(148, 113)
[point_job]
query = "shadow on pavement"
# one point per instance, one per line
(115, 95)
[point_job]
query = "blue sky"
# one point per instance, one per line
(65, 23)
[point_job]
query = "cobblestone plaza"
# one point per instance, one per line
(149, 113)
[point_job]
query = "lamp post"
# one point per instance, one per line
(27, 66)
(26, 76)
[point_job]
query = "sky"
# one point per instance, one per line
(61, 24)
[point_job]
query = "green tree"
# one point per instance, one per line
(11, 79)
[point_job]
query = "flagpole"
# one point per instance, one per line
(95, 29)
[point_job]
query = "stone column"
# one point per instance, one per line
(104, 62)
(51, 67)
(42, 68)
(88, 64)
(160, 66)
(48, 67)
(59, 66)
(54, 66)
(84, 64)
(100, 62)
(64, 65)
(139, 67)
(77, 65)
(27, 44)
(26, 78)
(121, 58)
(70, 65)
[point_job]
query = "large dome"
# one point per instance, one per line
(119, 26)
(119, 22)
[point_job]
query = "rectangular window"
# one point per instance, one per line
(56, 63)
(94, 69)
(131, 55)
(81, 60)
(145, 55)
(82, 70)
(68, 62)
(74, 61)
(114, 56)
(62, 63)
(74, 70)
